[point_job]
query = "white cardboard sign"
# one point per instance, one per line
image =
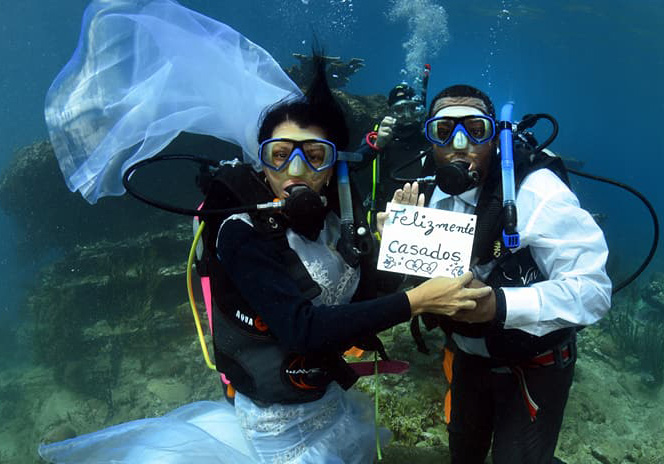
(426, 242)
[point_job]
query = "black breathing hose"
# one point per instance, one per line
(186, 211)
(655, 223)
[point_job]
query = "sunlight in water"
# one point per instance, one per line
(328, 18)
(496, 32)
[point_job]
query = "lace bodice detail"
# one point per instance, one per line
(337, 280)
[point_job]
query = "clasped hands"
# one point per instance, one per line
(463, 298)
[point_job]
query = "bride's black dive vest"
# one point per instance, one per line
(510, 269)
(245, 350)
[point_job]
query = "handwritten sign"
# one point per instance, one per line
(426, 242)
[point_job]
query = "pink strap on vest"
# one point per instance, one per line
(207, 298)
(364, 368)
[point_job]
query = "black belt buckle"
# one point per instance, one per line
(559, 361)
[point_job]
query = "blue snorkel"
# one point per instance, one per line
(510, 235)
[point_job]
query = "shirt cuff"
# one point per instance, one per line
(522, 306)
(501, 309)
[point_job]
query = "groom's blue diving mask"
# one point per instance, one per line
(441, 130)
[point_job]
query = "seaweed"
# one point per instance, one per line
(411, 405)
(622, 328)
(642, 339)
(651, 351)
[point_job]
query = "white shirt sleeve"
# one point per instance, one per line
(569, 249)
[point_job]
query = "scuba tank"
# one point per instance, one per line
(349, 247)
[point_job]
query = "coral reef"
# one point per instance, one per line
(110, 297)
(113, 341)
(653, 293)
(639, 341)
(338, 71)
(611, 416)
(411, 405)
(32, 192)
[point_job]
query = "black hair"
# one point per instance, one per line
(318, 107)
(400, 92)
(462, 90)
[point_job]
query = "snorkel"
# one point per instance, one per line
(421, 101)
(510, 235)
(425, 83)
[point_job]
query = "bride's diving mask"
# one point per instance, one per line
(305, 208)
(316, 154)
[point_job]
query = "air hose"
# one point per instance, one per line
(655, 223)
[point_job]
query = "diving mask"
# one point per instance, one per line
(479, 129)
(318, 154)
(407, 112)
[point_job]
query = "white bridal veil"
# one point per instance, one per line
(144, 71)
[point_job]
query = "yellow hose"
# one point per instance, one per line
(374, 179)
(192, 302)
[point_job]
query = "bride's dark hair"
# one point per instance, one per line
(318, 107)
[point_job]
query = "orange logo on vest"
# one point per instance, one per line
(259, 324)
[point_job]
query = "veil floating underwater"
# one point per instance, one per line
(144, 71)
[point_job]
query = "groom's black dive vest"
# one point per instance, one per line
(510, 269)
(245, 350)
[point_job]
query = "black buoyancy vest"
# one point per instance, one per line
(511, 269)
(245, 350)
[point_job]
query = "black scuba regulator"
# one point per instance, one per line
(456, 177)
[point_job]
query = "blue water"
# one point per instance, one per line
(597, 66)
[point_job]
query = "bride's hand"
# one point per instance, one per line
(447, 296)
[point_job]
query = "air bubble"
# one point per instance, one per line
(427, 24)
